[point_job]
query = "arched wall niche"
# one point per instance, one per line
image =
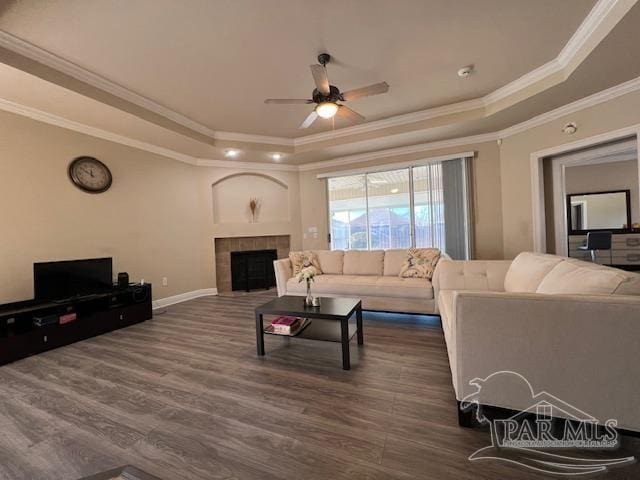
(231, 196)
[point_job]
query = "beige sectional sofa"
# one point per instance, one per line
(571, 328)
(371, 275)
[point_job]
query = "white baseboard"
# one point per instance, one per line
(183, 297)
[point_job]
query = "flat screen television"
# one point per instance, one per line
(72, 278)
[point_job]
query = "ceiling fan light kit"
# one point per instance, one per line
(327, 109)
(328, 98)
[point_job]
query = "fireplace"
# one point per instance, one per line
(226, 246)
(253, 269)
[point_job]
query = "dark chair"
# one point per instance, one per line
(598, 241)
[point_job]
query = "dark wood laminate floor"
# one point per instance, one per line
(184, 396)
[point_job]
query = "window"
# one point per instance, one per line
(389, 209)
(422, 206)
(348, 213)
(428, 207)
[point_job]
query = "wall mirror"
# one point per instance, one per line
(599, 211)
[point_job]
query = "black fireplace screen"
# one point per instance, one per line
(253, 269)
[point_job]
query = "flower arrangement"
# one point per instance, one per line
(307, 274)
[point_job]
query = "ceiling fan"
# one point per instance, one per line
(327, 97)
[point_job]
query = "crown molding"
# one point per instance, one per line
(249, 138)
(61, 122)
(40, 55)
(602, 17)
(397, 120)
(605, 137)
(600, 12)
(41, 116)
(399, 151)
(203, 162)
(579, 40)
(586, 102)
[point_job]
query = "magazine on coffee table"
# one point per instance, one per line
(301, 325)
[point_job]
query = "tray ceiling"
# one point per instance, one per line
(215, 62)
(159, 79)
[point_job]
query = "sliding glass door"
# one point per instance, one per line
(422, 206)
(389, 209)
(428, 206)
(348, 213)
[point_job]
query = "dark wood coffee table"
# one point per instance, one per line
(330, 321)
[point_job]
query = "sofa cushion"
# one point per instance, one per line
(483, 275)
(331, 261)
(300, 260)
(420, 263)
(576, 277)
(363, 262)
(366, 285)
(393, 260)
(404, 287)
(631, 286)
(527, 271)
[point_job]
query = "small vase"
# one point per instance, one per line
(308, 301)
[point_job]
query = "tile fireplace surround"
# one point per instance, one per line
(224, 247)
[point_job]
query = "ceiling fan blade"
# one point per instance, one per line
(309, 120)
(288, 101)
(320, 77)
(375, 89)
(348, 114)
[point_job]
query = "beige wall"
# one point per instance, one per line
(146, 221)
(487, 202)
(515, 155)
(156, 220)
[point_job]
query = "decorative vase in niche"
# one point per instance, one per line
(308, 301)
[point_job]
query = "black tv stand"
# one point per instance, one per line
(68, 321)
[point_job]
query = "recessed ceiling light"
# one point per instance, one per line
(231, 153)
(394, 190)
(276, 156)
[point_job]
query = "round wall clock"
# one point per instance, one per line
(90, 175)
